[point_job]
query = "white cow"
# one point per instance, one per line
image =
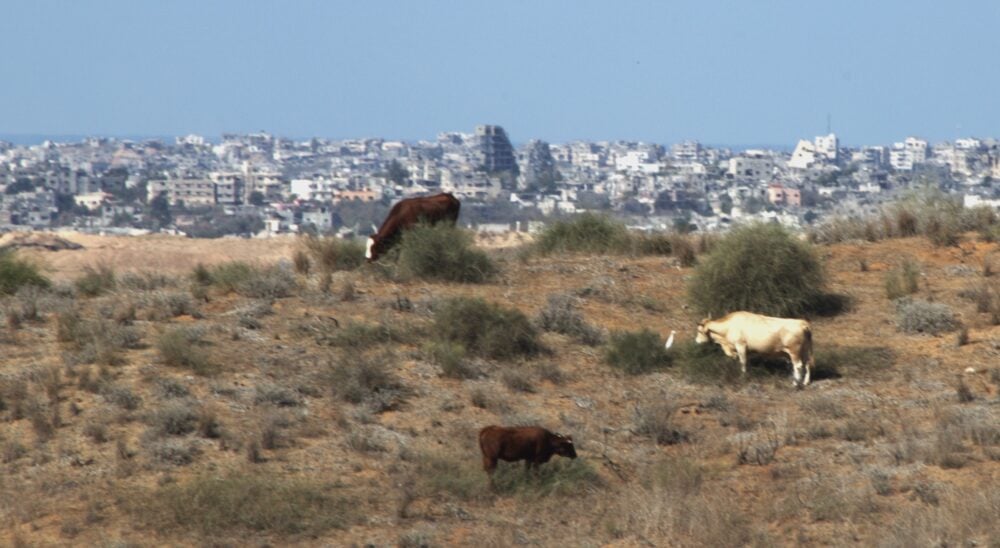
(740, 332)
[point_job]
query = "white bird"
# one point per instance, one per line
(670, 340)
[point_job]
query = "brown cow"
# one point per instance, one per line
(408, 212)
(532, 444)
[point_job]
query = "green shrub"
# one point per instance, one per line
(918, 316)
(451, 357)
(330, 254)
(759, 268)
(257, 282)
(181, 347)
(486, 329)
(902, 281)
(585, 233)
(443, 252)
(16, 273)
(239, 501)
(360, 335)
(96, 280)
(636, 352)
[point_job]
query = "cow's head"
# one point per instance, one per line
(703, 336)
(373, 248)
(563, 446)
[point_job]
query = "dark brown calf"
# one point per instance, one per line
(532, 444)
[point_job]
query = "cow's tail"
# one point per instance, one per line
(807, 346)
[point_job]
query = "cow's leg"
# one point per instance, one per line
(490, 465)
(797, 373)
(810, 363)
(741, 351)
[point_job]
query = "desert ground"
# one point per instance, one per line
(105, 440)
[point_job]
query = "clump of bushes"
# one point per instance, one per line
(366, 380)
(444, 253)
(562, 315)
(16, 273)
(486, 329)
(919, 316)
(636, 352)
(759, 268)
(585, 233)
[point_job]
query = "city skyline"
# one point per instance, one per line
(722, 73)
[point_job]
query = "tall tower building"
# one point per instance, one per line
(494, 151)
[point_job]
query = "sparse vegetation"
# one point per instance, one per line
(96, 280)
(902, 281)
(243, 502)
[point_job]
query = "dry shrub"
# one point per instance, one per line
(919, 316)
(172, 419)
(636, 352)
(485, 329)
(368, 380)
(96, 280)
(655, 420)
(561, 314)
(173, 451)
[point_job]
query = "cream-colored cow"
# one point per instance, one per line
(741, 332)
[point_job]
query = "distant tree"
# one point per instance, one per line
(682, 223)
(20, 185)
(753, 204)
(257, 198)
(159, 210)
(725, 204)
(397, 173)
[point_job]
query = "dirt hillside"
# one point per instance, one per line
(328, 416)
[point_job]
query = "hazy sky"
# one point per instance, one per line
(738, 72)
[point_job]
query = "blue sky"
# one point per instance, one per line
(721, 72)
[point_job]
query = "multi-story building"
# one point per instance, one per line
(494, 152)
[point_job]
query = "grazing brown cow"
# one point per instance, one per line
(532, 444)
(408, 212)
